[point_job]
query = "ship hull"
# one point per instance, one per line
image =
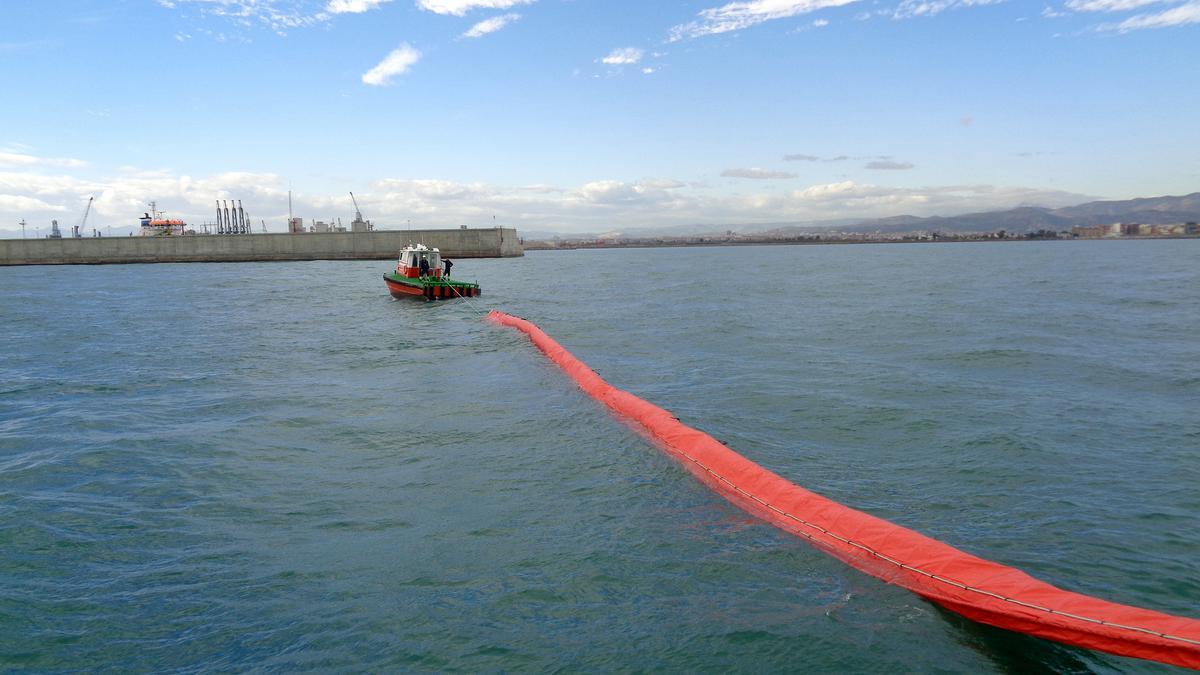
(404, 287)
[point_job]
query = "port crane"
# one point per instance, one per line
(83, 221)
(358, 224)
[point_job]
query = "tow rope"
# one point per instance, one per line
(981, 590)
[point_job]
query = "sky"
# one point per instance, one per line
(589, 116)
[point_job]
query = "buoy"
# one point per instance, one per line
(981, 590)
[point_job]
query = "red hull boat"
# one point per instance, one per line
(418, 274)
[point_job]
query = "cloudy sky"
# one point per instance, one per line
(591, 115)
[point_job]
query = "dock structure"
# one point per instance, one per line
(492, 242)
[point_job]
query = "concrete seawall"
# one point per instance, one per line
(496, 242)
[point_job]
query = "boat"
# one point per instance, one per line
(154, 225)
(407, 281)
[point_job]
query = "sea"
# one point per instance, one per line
(277, 467)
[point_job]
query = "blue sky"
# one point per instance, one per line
(592, 115)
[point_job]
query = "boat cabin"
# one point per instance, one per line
(409, 264)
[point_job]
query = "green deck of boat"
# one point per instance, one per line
(428, 282)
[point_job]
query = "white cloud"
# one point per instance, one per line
(820, 23)
(908, 9)
(121, 197)
(277, 15)
(889, 165)
(1178, 16)
(490, 25)
(661, 184)
(23, 204)
(461, 7)
(609, 192)
(648, 70)
(848, 198)
(434, 190)
(22, 159)
(396, 63)
(840, 158)
(739, 15)
(539, 189)
(623, 56)
(757, 174)
(441, 203)
(1108, 5)
(353, 6)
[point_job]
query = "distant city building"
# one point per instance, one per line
(1094, 231)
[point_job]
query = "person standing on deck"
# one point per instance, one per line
(446, 262)
(423, 268)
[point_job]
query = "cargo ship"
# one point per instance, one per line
(154, 225)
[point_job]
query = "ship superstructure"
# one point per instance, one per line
(153, 224)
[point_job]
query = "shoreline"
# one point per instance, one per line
(567, 245)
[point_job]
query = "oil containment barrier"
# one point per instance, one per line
(978, 589)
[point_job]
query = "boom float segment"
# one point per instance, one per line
(978, 589)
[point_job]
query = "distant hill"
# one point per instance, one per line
(1149, 210)
(1152, 210)
(692, 230)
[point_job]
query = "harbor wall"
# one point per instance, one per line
(495, 242)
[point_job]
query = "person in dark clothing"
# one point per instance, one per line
(424, 267)
(448, 265)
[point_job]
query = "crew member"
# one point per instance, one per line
(424, 267)
(448, 265)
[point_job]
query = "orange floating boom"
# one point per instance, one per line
(978, 589)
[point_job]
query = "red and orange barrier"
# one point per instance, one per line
(978, 589)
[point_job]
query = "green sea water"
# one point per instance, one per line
(278, 467)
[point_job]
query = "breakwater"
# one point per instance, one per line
(495, 242)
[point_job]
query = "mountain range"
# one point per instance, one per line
(1148, 210)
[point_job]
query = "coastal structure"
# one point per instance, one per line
(492, 242)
